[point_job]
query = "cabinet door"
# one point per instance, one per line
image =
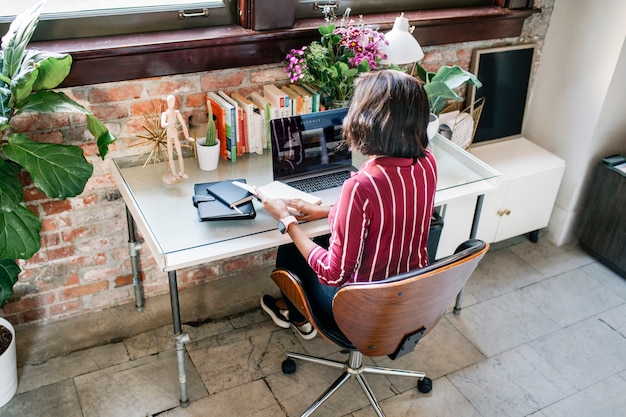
(528, 203)
(457, 225)
(493, 204)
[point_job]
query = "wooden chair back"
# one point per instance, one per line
(378, 317)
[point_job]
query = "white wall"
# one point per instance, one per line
(577, 104)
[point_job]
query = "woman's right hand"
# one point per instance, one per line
(304, 211)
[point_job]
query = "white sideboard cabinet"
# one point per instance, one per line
(530, 180)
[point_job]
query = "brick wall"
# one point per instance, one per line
(83, 264)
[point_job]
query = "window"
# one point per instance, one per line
(311, 8)
(70, 19)
(150, 46)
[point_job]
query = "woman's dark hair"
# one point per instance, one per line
(388, 115)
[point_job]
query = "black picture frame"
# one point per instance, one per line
(505, 73)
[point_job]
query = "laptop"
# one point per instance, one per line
(309, 154)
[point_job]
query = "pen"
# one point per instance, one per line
(237, 210)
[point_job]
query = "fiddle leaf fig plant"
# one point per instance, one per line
(60, 171)
(440, 86)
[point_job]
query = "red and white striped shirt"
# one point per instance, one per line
(379, 225)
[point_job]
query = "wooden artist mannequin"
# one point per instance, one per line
(169, 120)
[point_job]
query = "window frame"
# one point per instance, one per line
(127, 57)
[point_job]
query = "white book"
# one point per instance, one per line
(278, 189)
(253, 140)
(240, 140)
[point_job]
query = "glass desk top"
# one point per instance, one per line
(169, 222)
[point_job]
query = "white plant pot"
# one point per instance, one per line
(433, 126)
(8, 368)
(208, 156)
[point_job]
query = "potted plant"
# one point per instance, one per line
(208, 151)
(27, 78)
(440, 86)
(333, 63)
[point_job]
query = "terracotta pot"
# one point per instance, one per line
(8, 368)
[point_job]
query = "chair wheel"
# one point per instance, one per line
(289, 366)
(424, 385)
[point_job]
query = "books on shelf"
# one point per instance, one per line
(219, 115)
(253, 136)
(244, 122)
(227, 111)
(278, 99)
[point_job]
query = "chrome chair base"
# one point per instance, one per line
(353, 367)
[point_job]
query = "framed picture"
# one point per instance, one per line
(505, 74)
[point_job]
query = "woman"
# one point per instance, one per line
(380, 222)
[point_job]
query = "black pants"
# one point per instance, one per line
(289, 257)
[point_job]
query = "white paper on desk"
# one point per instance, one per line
(277, 189)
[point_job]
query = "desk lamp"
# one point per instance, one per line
(403, 48)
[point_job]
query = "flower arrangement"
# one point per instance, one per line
(333, 63)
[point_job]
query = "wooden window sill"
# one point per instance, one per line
(119, 58)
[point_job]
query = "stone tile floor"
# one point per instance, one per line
(542, 334)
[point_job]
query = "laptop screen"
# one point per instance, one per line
(308, 143)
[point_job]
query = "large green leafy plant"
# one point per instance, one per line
(440, 86)
(60, 171)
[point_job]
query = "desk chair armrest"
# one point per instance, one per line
(291, 287)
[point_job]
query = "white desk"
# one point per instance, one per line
(169, 223)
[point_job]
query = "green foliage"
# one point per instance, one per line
(211, 130)
(440, 86)
(60, 171)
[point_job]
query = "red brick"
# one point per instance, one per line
(82, 290)
(30, 303)
(123, 91)
(219, 80)
(175, 88)
(60, 253)
(196, 100)
(64, 309)
(124, 280)
(147, 108)
(33, 315)
(56, 206)
(70, 235)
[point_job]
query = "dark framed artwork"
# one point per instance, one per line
(505, 74)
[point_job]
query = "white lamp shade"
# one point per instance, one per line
(403, 48)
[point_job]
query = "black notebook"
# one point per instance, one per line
(210, 208)
(229, 194)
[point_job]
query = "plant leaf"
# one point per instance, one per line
(57, 102)
(11, 189)
(60, 171)
(455, 76)
(9, 272)
(17, 37)
(19, 233)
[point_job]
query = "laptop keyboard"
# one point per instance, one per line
(322, 182)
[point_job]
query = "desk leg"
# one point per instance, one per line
(477, 210)
(180, 338)
(133, 249)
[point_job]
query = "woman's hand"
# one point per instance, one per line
(276, 207)
(304, 211)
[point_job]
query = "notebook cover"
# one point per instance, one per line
(216, 210)
(228, 193)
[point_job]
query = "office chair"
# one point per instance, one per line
(386, 317)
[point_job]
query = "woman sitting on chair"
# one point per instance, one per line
(380, 222)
